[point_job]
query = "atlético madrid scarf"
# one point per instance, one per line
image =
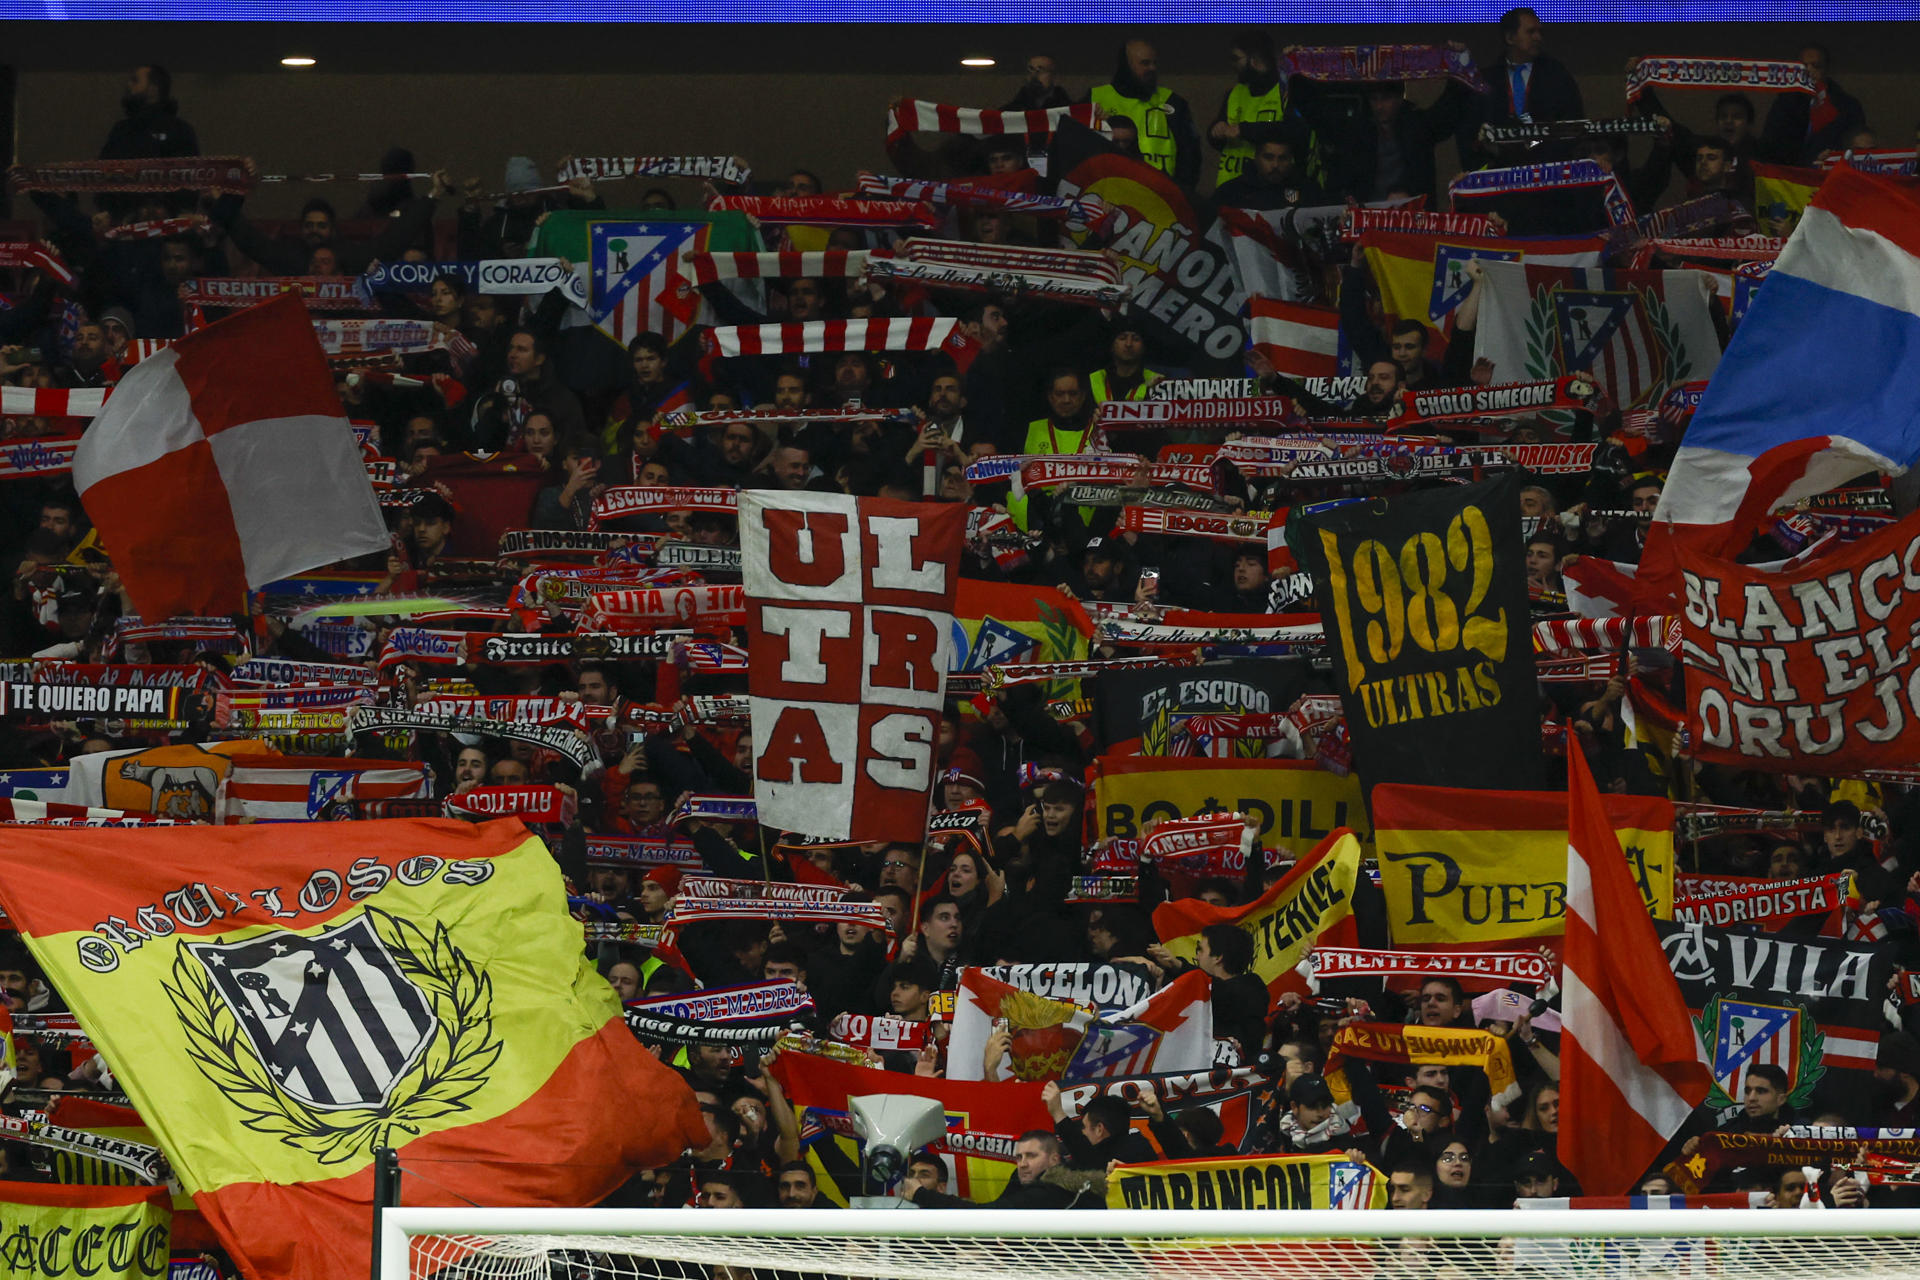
(830, 211)
(222, 175)
(607, 168)
(1718, 73)
(909, 115)
(1372, 63)
(816, 337)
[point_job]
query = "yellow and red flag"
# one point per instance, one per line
(279, 1001)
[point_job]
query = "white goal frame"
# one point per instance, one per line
(395, 1227)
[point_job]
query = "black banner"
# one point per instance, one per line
(1140, 704)
(1424, 599)
(1811, 1006)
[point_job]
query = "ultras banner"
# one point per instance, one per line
(1424, 596)
(850, 623)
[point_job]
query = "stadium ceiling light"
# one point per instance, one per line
(296, 61)
(976, 62)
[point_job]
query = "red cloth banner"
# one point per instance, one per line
(1807, 670)
(849, 606)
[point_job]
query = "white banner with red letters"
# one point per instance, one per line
(849, 605)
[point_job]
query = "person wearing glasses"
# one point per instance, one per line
(1453, 1178)
(1041, 92)
(1424, 1125)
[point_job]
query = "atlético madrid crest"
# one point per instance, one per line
(340, 1041)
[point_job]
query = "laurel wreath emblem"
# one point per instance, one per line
(454, 1067)
(1812, 1051)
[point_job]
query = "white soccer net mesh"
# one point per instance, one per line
(1617, 1246)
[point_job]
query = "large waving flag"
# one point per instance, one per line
(278, 1006)
(1843, 299)
(1631, 1066)
(226, 462)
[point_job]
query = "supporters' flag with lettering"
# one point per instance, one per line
(225, 462)
(1842, 298)
(1425, 601)
(1301, 339)
(850, 623)
(1631, 1066)
(278, 1006)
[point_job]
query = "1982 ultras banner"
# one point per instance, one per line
(1424, 597)
(280, 1000)
(850, 623)
(1809, 670)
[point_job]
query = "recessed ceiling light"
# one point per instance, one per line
(976, 62)
(296, 62)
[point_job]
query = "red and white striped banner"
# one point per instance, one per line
(1082, 264)
(52, 402)
(649, 608)
(43, 813)
(911, 115)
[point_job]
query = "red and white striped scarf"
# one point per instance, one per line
(52, 402)
(1008, 674)
(830, 211)
(1596, 669)
(1089, 211)
(832, 264)
(608, 168)
(156, 228)
(1560, 637)
(215, 635)
(818, 337)
(43, 456)
(362, 337)
(36, 255)
(941, 275)
(910, 115)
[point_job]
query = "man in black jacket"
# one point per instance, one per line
(1034, 1155)
(1102, 1132)
(152, 127)
(1799, 127)
(1523, 85)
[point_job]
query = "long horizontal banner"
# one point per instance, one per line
(1254, 1182)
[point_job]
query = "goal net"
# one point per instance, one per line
(915, 1244)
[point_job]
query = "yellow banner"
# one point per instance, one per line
(1296, 805)
(97, 1233)
(1491, 866)
(1257, 1182)
(1313, 897)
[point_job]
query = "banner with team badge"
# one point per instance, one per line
(1259, 1182)
(1490, 866)
(1638, 333)
(278, 1006)
(849, 620)
(1810, 1006)
(1424, 597)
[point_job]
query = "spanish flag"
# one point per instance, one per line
(279, 1001)
(1424, 277)
(1780, 195)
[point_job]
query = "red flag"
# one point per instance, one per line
(1302, 339)
(1631, 1067)
(225, 462)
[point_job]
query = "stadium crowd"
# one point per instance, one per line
(518, 413)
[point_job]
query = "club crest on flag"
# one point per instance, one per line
(1349, 1186)
(996, 642)
(633, 262)
(325, 787)
(1626, 338)
(1740, 1035)
(1451, 283)
(336, 1040)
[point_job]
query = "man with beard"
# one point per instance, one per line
(1381, 398)
(1255, 110)
(1161, 118)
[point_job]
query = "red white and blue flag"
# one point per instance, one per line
(1841, 309)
